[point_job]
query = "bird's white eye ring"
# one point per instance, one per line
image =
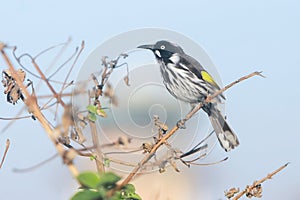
(162, 47)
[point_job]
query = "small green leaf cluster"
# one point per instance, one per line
(96, 187)
(94, 111)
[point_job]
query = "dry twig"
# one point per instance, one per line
(99, 154)
(5, 152)
(253, 190)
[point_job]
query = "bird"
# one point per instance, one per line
(187, 80)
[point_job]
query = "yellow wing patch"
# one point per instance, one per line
(207, 77)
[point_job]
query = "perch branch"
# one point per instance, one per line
(175, 128)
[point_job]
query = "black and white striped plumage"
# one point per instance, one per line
(187, 80)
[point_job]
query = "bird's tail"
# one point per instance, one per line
(227, 138)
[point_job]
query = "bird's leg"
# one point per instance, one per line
(194, 109)
(181, 124)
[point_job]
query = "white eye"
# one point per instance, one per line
(162, 47)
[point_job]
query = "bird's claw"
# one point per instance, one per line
(181, 124)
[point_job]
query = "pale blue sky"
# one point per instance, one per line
(239, 36)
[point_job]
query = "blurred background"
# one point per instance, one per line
(239, 37)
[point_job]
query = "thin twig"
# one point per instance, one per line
(36, 165)
(51, 97)
(123, 152)
(15, 118)
(43, 77)
(122, 162)
(5, 152)
(233, 83)
(257, 183)
(50, 48)
(18, 59)
(62, 65)
(59, 54)
(75, 61)
(10, 123)
(206, 164)
(62, 95)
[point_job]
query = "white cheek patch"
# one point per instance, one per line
(175, 58)
(157, 53)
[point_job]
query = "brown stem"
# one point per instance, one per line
(256, 183)
(43, 77)
(71, 69)
(232, 84)
(99, 155)
(5, 152)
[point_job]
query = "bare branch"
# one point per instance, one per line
(12, 121)
(99, 155)
(62, 65)
(75, 61)
(43, 77)
(36, 165)
(2, 45)
(234, 83)
(52, 47)
(5, 152)
(253, 190)
(15, 118)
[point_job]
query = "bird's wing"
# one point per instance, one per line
(208, 78)
(194, 66)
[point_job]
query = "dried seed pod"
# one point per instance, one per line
(231, 192)
(12, 90)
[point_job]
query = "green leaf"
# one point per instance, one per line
(125, 196)
(116, 196)
(132, 196)
(92, 109)
(93, 157)
(108, 180)
(92, 117)
(89, 179)
(106, 162)
(87, 195)
(129, 188)
(128, 193)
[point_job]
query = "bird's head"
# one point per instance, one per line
(163, 48)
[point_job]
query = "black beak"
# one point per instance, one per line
(147, 46)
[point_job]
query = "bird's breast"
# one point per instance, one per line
(181, 83)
